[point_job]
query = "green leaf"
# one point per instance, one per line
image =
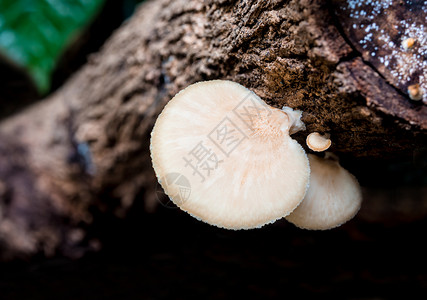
(34, 33)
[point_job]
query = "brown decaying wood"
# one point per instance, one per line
(288, 52)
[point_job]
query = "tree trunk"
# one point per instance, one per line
(85, 149)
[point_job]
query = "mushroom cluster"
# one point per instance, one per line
(227, 158)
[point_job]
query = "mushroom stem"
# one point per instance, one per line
(294, 119)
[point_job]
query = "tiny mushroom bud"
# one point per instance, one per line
(408, 43)
(236, 164)
(415, 92)
(333, 198)
(317, 142)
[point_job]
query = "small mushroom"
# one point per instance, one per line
(408, 43)
(415, 92)
(333, 197)
(241, 168)
(318, 142)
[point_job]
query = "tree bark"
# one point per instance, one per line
(85, 149)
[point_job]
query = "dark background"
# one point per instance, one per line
(170, 255)
(167, 254)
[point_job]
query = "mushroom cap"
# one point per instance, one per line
(415, 92)
(317, 142)
(333, 197)
(232, 161)
(408, 43)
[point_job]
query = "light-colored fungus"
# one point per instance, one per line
(333, 198)
(408, 43)
(415, 92)
(232, 153)
(318, 142)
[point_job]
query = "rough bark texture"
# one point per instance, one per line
(85, 150)
(377, 31)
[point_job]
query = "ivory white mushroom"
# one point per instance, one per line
(333, 198)
(318, 142)
(241, 168)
